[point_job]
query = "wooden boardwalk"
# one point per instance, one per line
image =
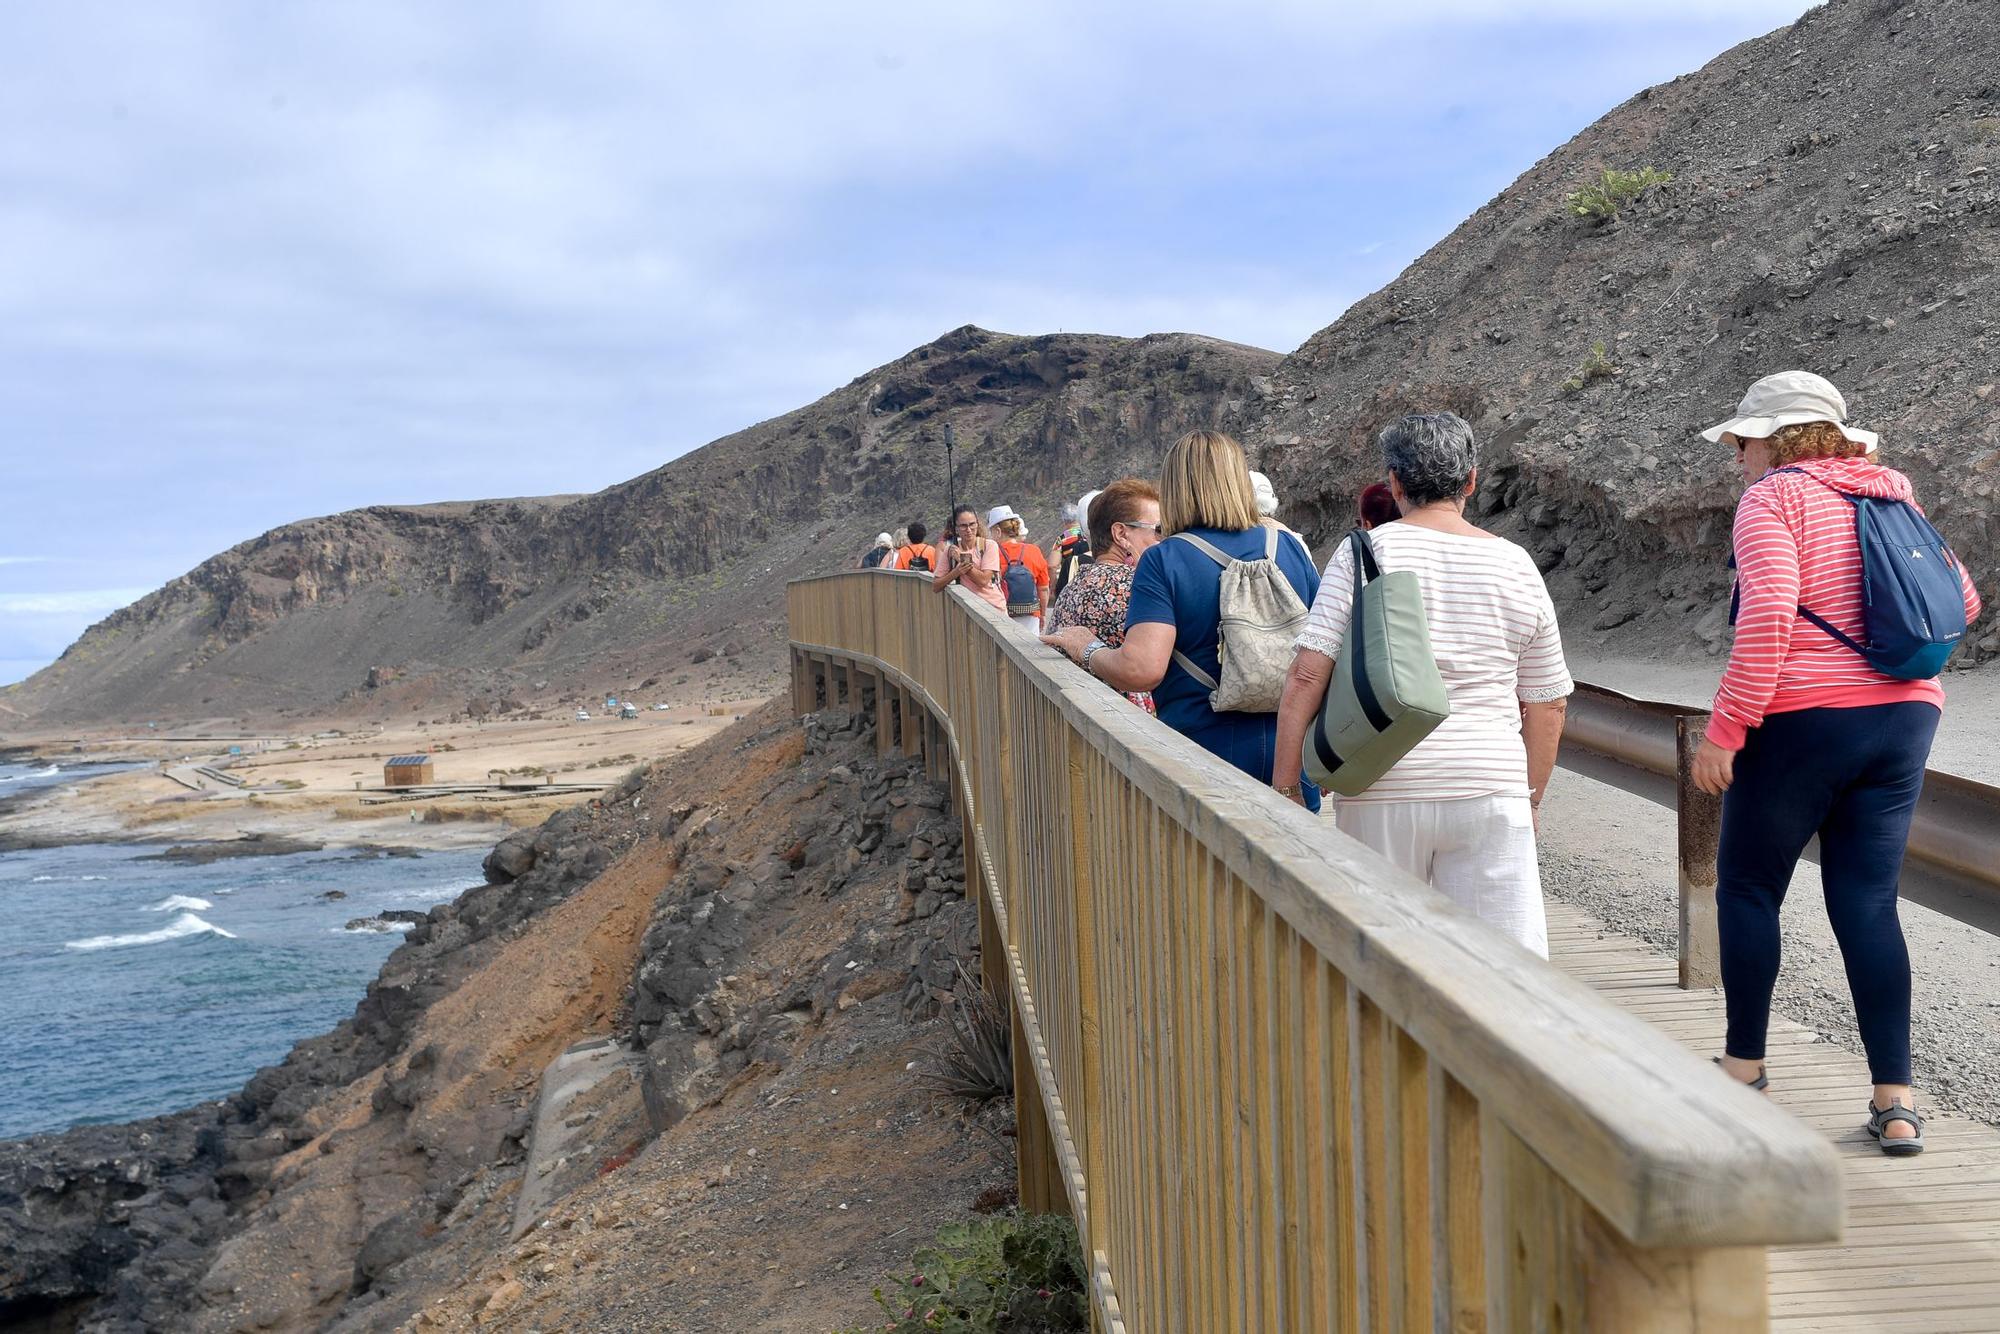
(1922, 1244)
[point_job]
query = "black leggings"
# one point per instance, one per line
(1852, 777)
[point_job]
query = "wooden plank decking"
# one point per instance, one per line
(1922, 1246)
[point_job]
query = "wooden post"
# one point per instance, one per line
(1700, 832)
(1037, 1167)
(879, 687)
(802, 684)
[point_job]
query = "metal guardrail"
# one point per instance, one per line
(1955, 835)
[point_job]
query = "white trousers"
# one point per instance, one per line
(1479, 852)
(1029, 621)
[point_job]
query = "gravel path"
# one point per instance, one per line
(1612, 854)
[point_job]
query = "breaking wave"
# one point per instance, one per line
(182, 903)
(187, 924)
(374, 926)
(49, 772)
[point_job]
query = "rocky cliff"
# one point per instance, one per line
(1834, 205)
(497, 595)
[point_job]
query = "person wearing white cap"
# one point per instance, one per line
(881, 556)
(1809, 737)
(1073, 552)
(1267, 507)
(1024, 572)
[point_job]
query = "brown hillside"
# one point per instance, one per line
(598, 591)
(1834, 206)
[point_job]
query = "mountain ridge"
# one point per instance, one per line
(492, 596)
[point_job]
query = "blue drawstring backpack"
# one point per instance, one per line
(1912, 606)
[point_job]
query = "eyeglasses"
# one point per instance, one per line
(1153, 526)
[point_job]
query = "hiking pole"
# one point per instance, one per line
(950, 475)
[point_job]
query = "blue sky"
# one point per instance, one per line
(264, 262)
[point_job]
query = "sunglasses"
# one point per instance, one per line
(1152, 526)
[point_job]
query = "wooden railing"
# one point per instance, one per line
(1279, 1084)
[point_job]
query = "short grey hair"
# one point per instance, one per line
(1432, 454)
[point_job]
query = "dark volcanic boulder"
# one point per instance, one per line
(512, 857)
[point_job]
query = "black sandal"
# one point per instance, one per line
(1760, 1083)
(1878, 1121)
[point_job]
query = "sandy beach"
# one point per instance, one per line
(323, 784)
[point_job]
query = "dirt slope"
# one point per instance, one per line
(496, 596)
(1834, 206)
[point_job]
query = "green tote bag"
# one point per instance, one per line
(1386, 694)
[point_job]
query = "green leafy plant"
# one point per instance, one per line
(1597, 366)
(975, 1059)
(1601, 200)
(1013, 1274)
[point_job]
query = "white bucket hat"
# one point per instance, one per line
(1002, 513)
(1786, 399)
(1267, 495)
(1083, 507)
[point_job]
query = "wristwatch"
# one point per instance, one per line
(1090, 648)
(1289, 790)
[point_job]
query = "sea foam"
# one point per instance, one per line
(49, 772)
(187, 924)
(181, 903)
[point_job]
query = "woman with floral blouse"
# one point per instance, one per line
(1123, 520)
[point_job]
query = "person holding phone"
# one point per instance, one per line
(971, 559)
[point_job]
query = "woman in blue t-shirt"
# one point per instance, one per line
(1176, 603)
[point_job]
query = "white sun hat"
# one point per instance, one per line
(1083, 507)
(1267, 495)
(1787, 399)
(1002, 513)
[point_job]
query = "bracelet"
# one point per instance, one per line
(1090, 649)
(1289, 790)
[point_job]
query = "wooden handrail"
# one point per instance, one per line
(1282, 1084)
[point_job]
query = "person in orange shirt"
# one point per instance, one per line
(1024, 571)
(916, 554)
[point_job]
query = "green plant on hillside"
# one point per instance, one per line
(1597, 366)
(975, 1061)
(1014, 1274)
(1601, 200)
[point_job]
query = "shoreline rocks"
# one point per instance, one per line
(249, 845)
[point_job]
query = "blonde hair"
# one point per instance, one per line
(1205, 483)
(1811, 440)
(1007, 530)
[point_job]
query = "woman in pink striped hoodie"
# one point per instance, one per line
(1808, 739)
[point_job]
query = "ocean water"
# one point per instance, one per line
(131, 987)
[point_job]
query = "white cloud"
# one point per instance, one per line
(84, 602)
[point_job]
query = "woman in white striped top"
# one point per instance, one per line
(1459, 810)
